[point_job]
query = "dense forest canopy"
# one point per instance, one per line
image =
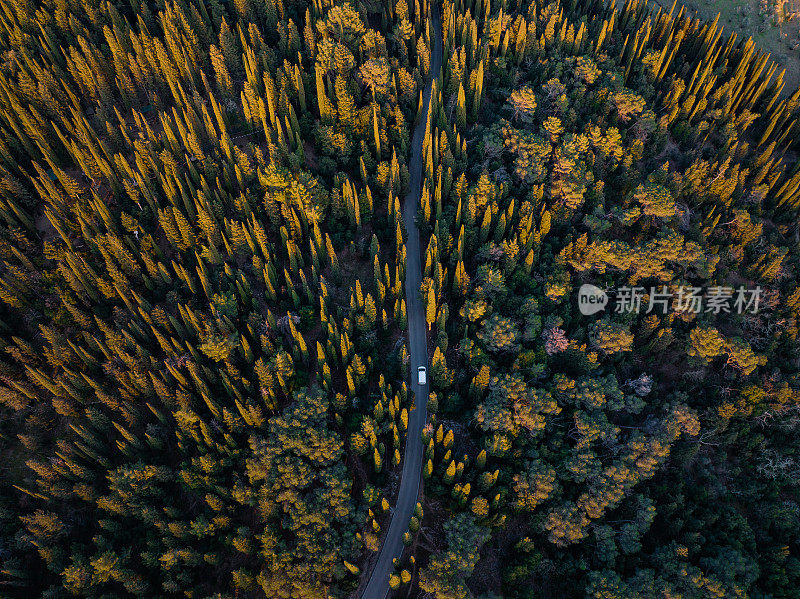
(202, 285)
(649, 449)
(204, 378)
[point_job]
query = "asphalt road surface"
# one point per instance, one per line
(378, 585)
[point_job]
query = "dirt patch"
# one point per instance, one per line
(311, 156)
(45, 228)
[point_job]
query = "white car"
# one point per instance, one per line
(422, 375)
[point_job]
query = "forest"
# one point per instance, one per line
(205, 375)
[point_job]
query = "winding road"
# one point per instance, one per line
(378, 585)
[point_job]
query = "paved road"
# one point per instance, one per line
(378, 586)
